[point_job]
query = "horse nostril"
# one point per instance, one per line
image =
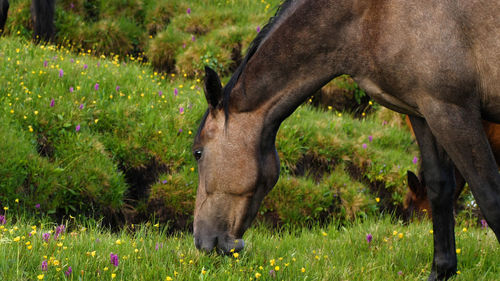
(205, 244)
(197, 243)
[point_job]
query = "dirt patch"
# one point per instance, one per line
(343, 95)
(378, 188)
(44, 147)
(141, 178)
(314, 166)
(168, 215)
(236, 58)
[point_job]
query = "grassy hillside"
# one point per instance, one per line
(99, 136)
(174, 35)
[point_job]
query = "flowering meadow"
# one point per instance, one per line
(97, 181)
(375, 249)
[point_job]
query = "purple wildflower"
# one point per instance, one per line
(117, 88)
(45, 265)
(180, 130)
(60, 229)
(85, 66)
(52, 102)
(176, 92)
(272, 273)
(164, 182)
(68, 272)
(2, 220)
(61, 73)
(364, 145)
(72, 60)
(157, 246)
(181, 110)
(370, 138)
(46, 237)
(369, 238)
(188, 11)
(37, 206)
(258, 29)
(160, 93)
(77, 129)
(184, 45)
(81, 106)
(484, 224)
(45, 63)
(415, 160)
(193, 38)
(400, 272)
(96, 86)
(71, 89)
(384, 123)
(114, 259)
(98, 64)
(71, 6)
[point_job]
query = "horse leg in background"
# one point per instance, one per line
(4, 10)
(461, 133)
(42, 12)
(440, 182)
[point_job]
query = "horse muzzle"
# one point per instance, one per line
(224, 244)
(207, 240)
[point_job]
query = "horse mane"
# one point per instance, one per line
(252, 49)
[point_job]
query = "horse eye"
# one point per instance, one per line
(197, 154)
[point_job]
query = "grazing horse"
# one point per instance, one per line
(42, 12)
(435, 60)
(416, 200)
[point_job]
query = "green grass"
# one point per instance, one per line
(159, 31)
(332, 252)
(135, 130)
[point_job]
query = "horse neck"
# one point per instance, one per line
(304, 50)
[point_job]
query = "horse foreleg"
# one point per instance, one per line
(440, 181)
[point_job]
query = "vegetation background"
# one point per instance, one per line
(99, 124)
(131, 155)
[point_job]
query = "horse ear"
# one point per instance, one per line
(415, 184)
(213, 88)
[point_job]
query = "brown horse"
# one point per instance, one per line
(435, 60)
(417, 203)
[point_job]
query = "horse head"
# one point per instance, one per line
(416, 202)
(237, 167)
